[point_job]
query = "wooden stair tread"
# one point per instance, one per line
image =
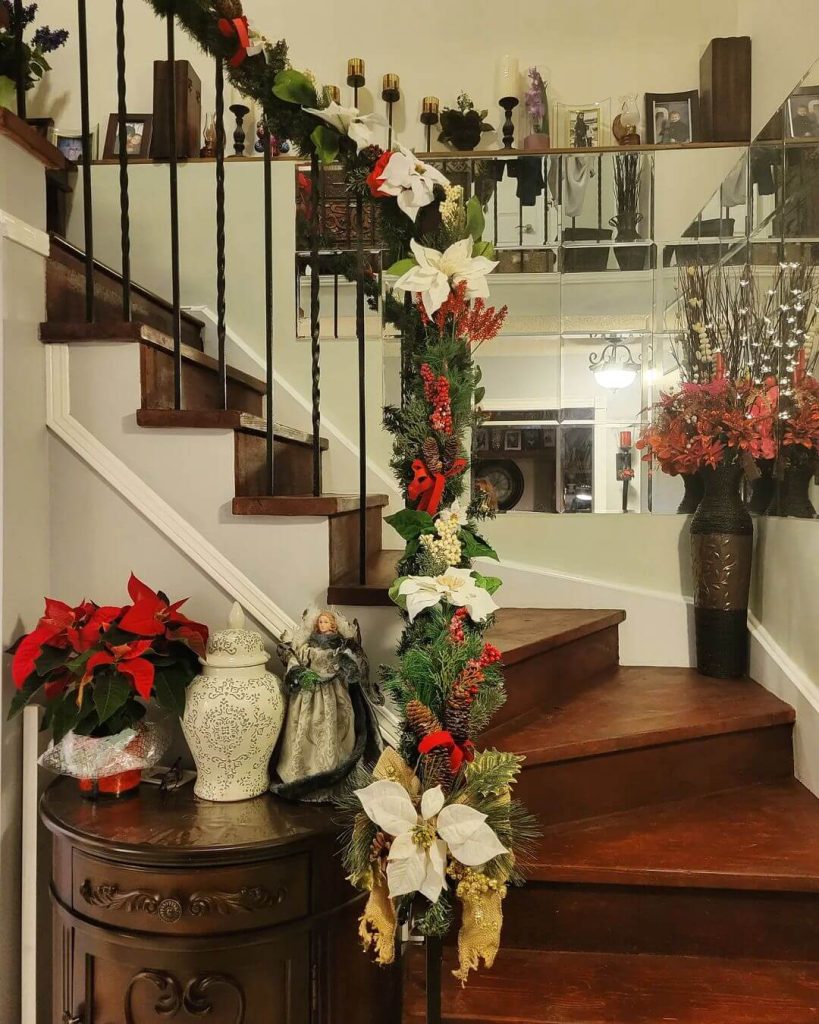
(55, 332)
(632, 707)
(522, 633)
(548, 987)
(381, 574)
(229, 419)
(760, 837)
(304, 504)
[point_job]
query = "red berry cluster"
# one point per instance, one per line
(436, 392)
(456, 626)
(490, 655)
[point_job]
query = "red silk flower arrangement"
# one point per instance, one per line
(709, 424)
(800, 415)
(94, 666)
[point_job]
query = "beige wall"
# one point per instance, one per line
(25, 513)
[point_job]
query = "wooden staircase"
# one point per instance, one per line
(677, 878)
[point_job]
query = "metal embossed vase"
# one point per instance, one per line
(722, 536)
(234, 712)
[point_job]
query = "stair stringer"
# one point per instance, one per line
(177, 527)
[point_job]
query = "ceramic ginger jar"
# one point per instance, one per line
(234, 710)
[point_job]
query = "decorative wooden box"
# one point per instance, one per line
(725, 90)
(188, 111)
(172, 908)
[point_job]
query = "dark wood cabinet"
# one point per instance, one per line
(174, 909)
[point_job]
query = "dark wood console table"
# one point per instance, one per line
(168, 908)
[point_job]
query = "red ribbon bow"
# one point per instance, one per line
(428, 488)
(236, 27)
(458, 752)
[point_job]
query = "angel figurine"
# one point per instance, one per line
(330, 724)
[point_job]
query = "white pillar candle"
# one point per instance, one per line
(507, 82)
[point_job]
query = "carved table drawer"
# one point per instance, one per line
(190, 902)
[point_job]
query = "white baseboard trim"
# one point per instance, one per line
(159, 513)
(327, 426)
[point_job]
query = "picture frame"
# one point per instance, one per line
(41, 125)
(69, 142)
(583, 125)
(672, 118)
(802, 113)
(482, 439)
(140, 128)
(512, 441)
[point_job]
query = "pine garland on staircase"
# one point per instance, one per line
(434, 822)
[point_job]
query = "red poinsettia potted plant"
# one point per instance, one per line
(799, 416)
(96, 668)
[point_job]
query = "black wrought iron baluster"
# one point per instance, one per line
(122, 136)
(19, 58)
(362, 392)
(315, 327)
(435, 953)
(174, 196)
(268, 303)
(220, 232)
(85, 120)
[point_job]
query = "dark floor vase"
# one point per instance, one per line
(722, 536)
(692, 496)
(762, 489)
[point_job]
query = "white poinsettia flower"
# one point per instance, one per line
(410, 180)
(456, 587)
(349, 121)
(436, 272)
(454, 512)
(417, 857)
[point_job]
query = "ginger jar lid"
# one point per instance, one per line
(236, 646)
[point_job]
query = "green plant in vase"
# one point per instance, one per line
(28, 63)
(462, 126)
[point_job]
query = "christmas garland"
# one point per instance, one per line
(434, 821)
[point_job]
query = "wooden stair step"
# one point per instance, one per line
(65, 295)
(762, 837)
(554, 987)
(550, 653)
(305, 504)
(200, 372)
(228, 419)
(634, 736)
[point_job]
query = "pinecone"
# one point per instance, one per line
(228, 8)
(421, 720)
(431, 454)
(451, 449)
(457, 718)
(435, 769)
(380, 846)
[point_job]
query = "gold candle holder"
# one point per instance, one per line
(390, 89)
(333, 93)
(355, 72)
(430, 107)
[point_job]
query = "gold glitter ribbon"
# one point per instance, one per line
(481, 921)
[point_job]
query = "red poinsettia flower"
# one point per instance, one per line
(61, 626)
(376, 175)
(128, 661)
(152, 615)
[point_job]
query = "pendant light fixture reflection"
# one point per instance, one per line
(614, 367)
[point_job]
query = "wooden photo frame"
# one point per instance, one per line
(69, 142)
(512, 441)
(583, 125)
(140, 128)
(672, 118)
(42, 125)
(802, 113)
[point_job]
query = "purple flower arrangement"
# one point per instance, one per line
(30, 63)
(537, 106)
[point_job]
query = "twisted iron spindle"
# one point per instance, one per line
(85, 119)
(122, 132)
(174, 196)
(268, 302)
(19, 58)
(434, 957)
(362, 408)
(315, 329)
(220, 231)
